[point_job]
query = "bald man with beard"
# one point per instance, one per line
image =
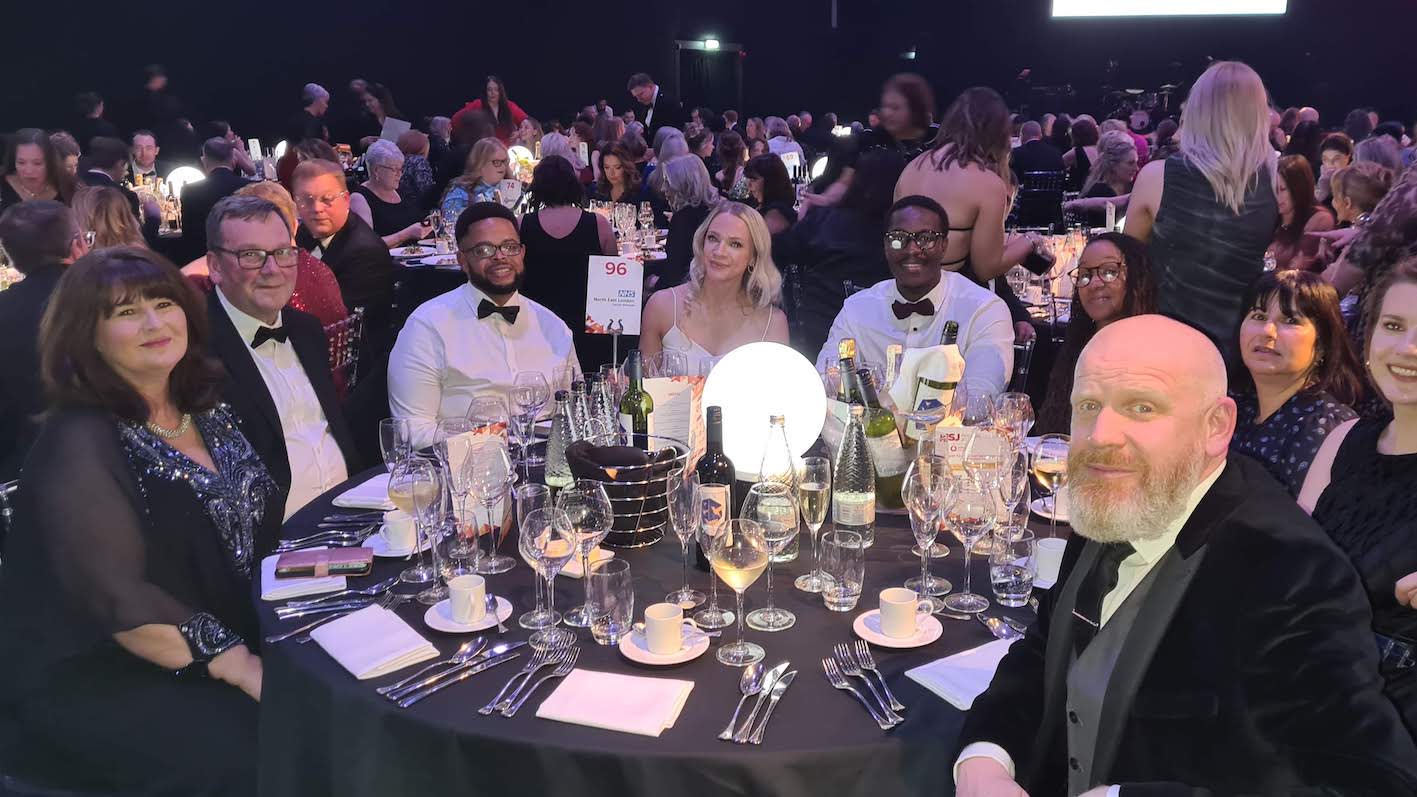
(1205, 637)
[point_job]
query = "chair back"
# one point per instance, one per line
(1023, 358)
(343, 337)
(1040, 200)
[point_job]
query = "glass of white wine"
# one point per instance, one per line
(414, 488)
(1050, 470)
(814, 492)
(774, 506)
(739, 555)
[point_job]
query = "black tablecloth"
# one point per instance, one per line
(324, 733)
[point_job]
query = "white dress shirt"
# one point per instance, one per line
(649, 115)
(446, 356)
(1129, 575)
(986, 332)
(316, 461)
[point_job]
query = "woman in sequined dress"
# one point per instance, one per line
(125, 599)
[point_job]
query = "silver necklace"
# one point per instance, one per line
(171, 434)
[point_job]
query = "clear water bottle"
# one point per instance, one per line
(580, 414)
(779, 465)
(558, 470)
(854, 482)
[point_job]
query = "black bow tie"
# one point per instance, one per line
(508, 313)
(904, 310)
(264, 334)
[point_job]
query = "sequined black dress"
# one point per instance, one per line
(115, 530)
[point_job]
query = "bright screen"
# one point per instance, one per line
(1165, 8)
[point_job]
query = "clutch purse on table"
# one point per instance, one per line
(325, 562)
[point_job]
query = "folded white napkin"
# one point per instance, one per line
(372, 494)
(597, 555)
(373, 642)
(279, 589)
(625, 703)
(964, 676)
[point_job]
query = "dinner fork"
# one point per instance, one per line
(567, 663)
(837, 680)
(850, 667)
(336, 538)
(541, 658)
(305, 629)
(868, 663)
(373, 589)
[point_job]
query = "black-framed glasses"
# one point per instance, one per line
(1108, 272)
(927, 240)
(484, 251)
(252, 259)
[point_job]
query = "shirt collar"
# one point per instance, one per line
(475, 297)
(1151, 551)
(246, 325)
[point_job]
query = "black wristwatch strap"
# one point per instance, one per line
(207, 638)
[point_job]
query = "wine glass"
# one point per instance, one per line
(682, 495)
(971, 518)
(739, 555)
(929, 493)
(814, 491)
(530, 394)
(1050, 471)
(457, 481)
(588, 509)
(1013, 481)
(413, 487)
(395, 441)
(1013, 416)
(973, 403)
(489, 476)
(530, 498)
(713, 517)
(1017, 277)
(774, 506)
(550, 541)
(489, 415)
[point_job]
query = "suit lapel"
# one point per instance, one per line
(246, 379)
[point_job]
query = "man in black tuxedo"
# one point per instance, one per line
(276, 357)
(107, 165)
(42, 239)
(353, 251)
(1034, 154)
(198, 199)
(1205, 636)
(142, 161)
(91, 123)
(656, 109)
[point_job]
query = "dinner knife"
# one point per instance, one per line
(462, 674)
(491, 653)
(777, 690)
(769, 683)
(284, 613)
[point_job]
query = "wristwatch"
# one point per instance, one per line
(206, 639)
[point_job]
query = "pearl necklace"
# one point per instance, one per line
(171, 434)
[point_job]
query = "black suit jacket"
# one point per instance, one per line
(667, 113)
(1251, 668)
(21, 398)
(1036, 156)
(198, 199)
(250, 400)
(365, 271)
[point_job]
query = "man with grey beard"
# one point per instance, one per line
(1205, 637)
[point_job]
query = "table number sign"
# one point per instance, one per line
(613, 291)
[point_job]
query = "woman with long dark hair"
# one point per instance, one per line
(619, 176)
(1299, 214)
(506, 115)
(772, 190)
(732, 154)
(33, 170)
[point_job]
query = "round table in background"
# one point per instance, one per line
(325, 733)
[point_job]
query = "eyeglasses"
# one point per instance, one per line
(484, 251)
(391, 169)
(252, 259)
(1109, 272)
(499, 162)
(927, 240)
(307, 201)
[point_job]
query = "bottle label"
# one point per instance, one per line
(854, 509)
(715, 508)
(627, 424)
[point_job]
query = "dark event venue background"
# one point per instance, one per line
(247, 63)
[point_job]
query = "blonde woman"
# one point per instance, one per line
(1110, 180)
(1220, 200)
(731, 296)
(486, 167)
(105, 211)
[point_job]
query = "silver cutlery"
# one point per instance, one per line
(567, 663)
(955, 615)
(839, 681)
(490, 653)
(461, 676)
(369, 516)
(318, 537)
(491, 603)
(769, 681)
(777, 690)
(393, 602)
(469, 649)
(502, 700)
(284, 613)
(369, 591)
(848, 665)
(361, 526)
(386, 601)
(999, 628)
(868, 663)
(749, 683)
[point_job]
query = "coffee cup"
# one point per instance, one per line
(468, 595)
(900, 611)
(664, 628)
(398, 531)
(1049, 558)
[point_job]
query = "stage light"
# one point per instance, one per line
(908, 55)
(841, 131)
(756, 381)
(819, 166)
(280, 149)
(183, 175)
(710, 44)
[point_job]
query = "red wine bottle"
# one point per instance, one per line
(716, 481)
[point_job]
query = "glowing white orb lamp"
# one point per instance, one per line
(183, 175)
(752, 383)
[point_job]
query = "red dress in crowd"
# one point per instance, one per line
(505, 127)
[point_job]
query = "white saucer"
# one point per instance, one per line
(1039, 507)
(380, 546)
(439, 617)
(868, 627)
(636, 648)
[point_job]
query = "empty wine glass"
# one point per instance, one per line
(774, 506)
(550, 542)
(713, 521)
(929, 493)
(395, 441)
(530, 498)
(1013, 417)
(971, 518)
(814, 492)
(588, 510)
(1013, 481)
(739, 555)
(530, 394)
(489, 476)
(489, 415)
(682, 494)
(1050, 471)
(973, 403)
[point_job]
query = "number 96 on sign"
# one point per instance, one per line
(614, 288)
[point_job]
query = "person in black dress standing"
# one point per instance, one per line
(558, 237)
(143, 514)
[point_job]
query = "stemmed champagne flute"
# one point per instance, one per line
(530, 498)
(1013, 482)
(550, 541)
(739, 555)
(395, 441)
(929, 493)
(1050, 470)
(413, 488)
(814, 491)
(682, 494)
(587, 508)
(457, 480)
(774, 506)
(489, 476)
(713, 522)
(971, 518)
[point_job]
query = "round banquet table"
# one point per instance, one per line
(325, 733)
